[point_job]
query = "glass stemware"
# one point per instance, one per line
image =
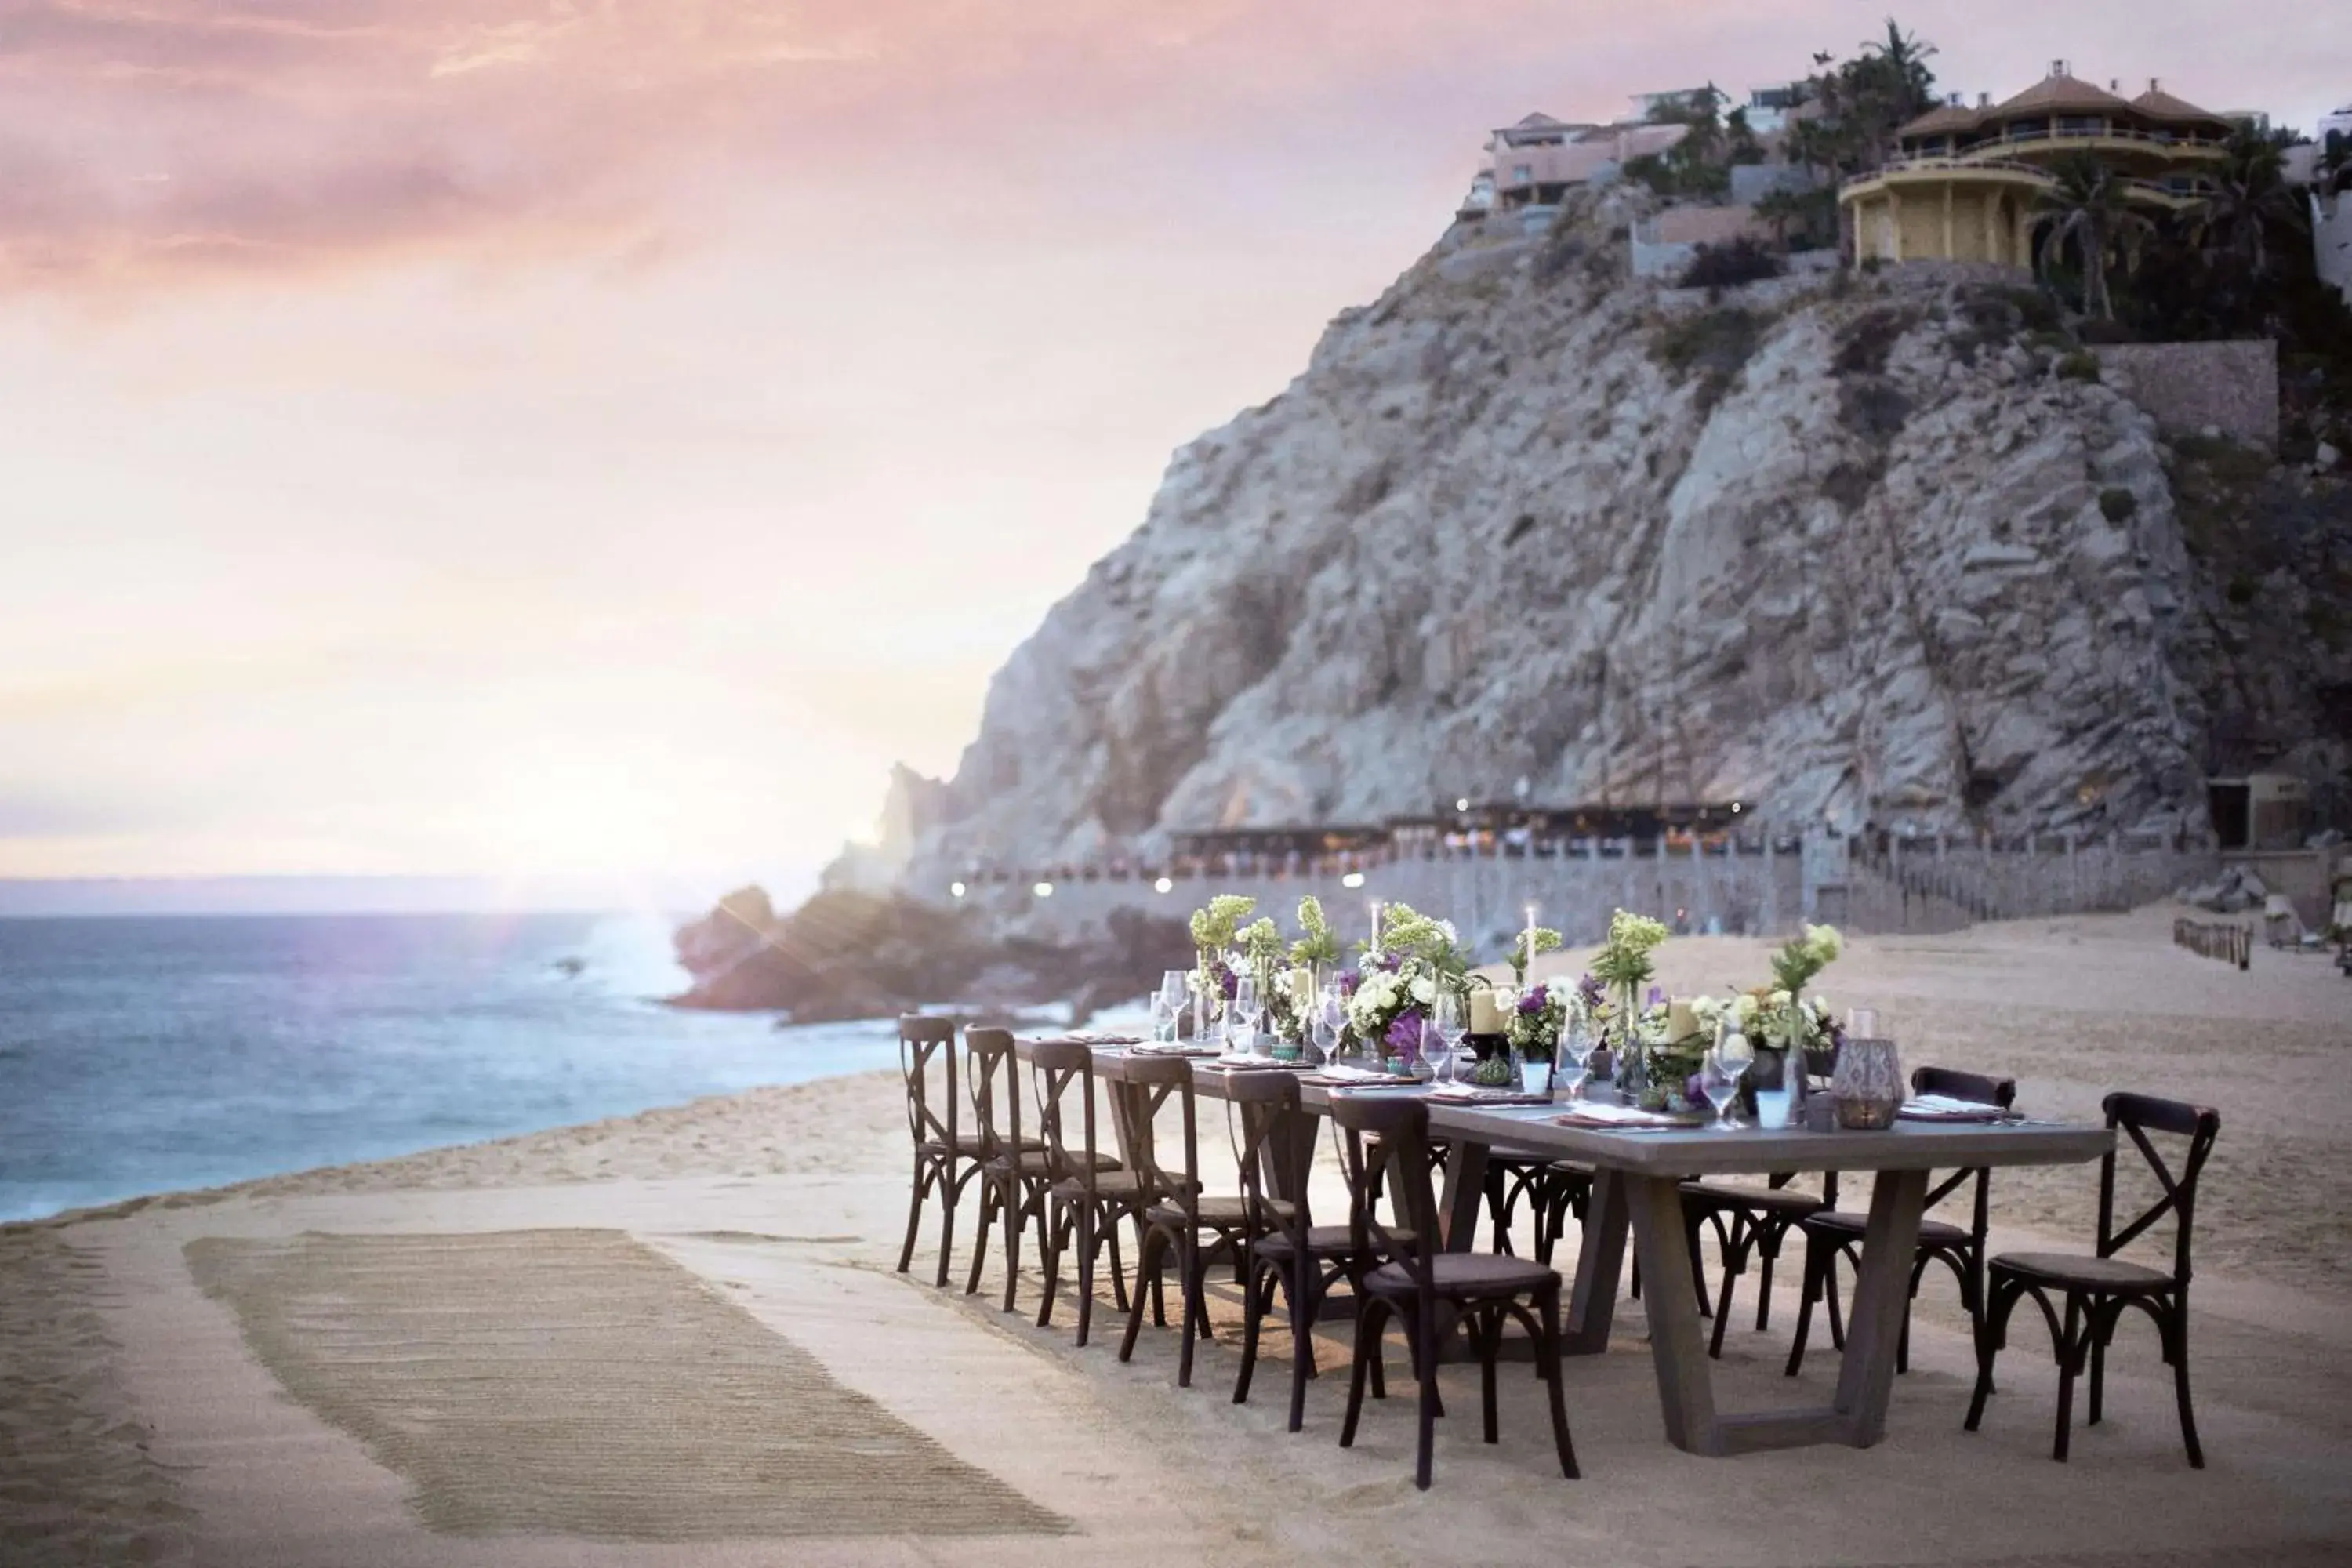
(1446, 1023)
(1175, 988)
(1241, 1017)
(1726, 1065)
(1323, 1026)
(1576, 1052)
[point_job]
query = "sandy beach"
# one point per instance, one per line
(678, 1338)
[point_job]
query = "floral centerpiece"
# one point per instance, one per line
(1623, 966)
(1539, 1014)
(1291, 1006)
(1215, 928)
(1397, 983)
(1790, 1020)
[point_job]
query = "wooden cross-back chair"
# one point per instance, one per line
(1014, 1171)
(1176, 1217)
(1429, 1291)
(1288, 1252)
(1832, 1234)
(2096, 1289)
(944, 1154)
(1090, 1194)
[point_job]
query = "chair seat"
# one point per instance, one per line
(1109, 1183)
(1780, 1201)
(1222, 1213)
(2084, 1272)
(1040, 1162)
(1322, 1241)
(1504, 1154)
(972, 1147)
(1467, 1276)
(1845, 1223)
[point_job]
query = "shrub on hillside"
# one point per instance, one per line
(1727, 266)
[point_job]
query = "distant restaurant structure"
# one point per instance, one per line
(1967, 183)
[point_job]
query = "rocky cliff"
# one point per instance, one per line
(1861, 547)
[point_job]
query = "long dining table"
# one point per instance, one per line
(1636, 1187)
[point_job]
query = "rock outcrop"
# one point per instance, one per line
(1870, 548)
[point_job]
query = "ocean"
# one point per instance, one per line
(152, 1055)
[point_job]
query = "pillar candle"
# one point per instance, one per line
(1376, 925)
(1486, 1019)
(1528, 951)
(1681, 1022)
(1302, 990)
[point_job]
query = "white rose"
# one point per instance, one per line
(1746, 1008)
(1425, 990)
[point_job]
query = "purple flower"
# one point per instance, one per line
(1348, 982)
(1657, 994)
(1404, 1035)
(1589, 990)
(1232, 985)
(1535, 1001)
(1695, 1089)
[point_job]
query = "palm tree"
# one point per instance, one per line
(2089, 207)
(2250, 195)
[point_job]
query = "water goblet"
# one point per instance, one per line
(1323, 1022)
(1576, 1052)
(1727, 1064)
(1175, 989)
(1446, 1023)
(1241, 1017)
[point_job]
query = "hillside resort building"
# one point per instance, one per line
(1966, 183)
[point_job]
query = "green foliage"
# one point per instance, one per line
(1319, 944)
(1624, 962)
(1215, 926)
(2118, 504)
(1803, 957)
(1861, 101)
(1546, 940)
(2080, 365)
(2087, 219)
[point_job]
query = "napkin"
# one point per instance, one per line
(1593, 1113)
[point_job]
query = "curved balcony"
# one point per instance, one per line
(1935, 169)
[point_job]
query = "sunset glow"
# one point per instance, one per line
(477, 436)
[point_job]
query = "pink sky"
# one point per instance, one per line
(479, 436)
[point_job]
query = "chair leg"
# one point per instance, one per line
(2098, 1366)
(1830, 1299)
(921, 1190)
(1368, 1352)
(2068, 1361)
(1117, 1274)
(948, 1192)
(1017, 1220)
(1251, 1313)
(1158, 1290)
(1489, 1340)
(1149, 1257)
(2176, 1332)
(1738, 1237)
(1548, 1361)
(1767, 1251)
(1305, 1305)
(1990, 1327)
(1190, 1265)
(1426, 1442)
(1087, 1242)
(1051, 1243)
(1806, 1297)
(989, 1201)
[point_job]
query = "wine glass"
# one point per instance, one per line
(1575, 1051)
(1446, 1023)
(1241, 1017)
(1323, 1025)
(1175, 989)
(1726, 1065)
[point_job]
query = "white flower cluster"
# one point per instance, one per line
(1385, 995)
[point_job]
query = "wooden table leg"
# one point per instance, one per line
(1874, 1326)
(1466, 1193)
(1600, 1268)
(1677, 1348)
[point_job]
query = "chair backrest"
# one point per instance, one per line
(927, 1060)
(1274, 1163)
(2138, 1115)
(1144, 1086)
(1401, 1162)
(1056, 1068)
(991, 1077)
(1977, 1090)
